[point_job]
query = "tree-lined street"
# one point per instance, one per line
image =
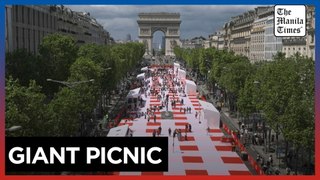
(63, 86)
(274, 100)
(47, 108)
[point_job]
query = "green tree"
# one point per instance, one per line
(248, 97)
(25, 107)
(286, 98)
(59, 52)
(93, 52)
(203, 69)
(25, 66)
(66, 115)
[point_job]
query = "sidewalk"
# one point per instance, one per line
(253, 150)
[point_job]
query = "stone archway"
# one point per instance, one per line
(168, 23)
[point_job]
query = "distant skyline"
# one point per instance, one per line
(197, 20)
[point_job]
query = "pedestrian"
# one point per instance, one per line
(154, 133)
(253, 140)
(185, 136)
(184, 110)
(257, 140)
(233, 146)
(148, 118)
(272, 138)
(169, 131)
(288, 171)
(208, 130)
(265, 168)
(258, 158)
(160, 129)
(154, 118)
(270, 160)
(196, 115)
(189, 127)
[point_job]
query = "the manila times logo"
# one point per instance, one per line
(289, 20)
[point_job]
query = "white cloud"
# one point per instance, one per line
(197, 20)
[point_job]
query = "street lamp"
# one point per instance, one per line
(256, 82)
(70, 84)
(13, 128)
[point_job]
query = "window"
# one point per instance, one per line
(34, 42)
(17, 13)
(48, 20)
(22, 14)
(29, 40)
(39, 38)
(17, 37)
(28, 15)
(23, 41)
(39, 18)
(43, 18)
(34, 17)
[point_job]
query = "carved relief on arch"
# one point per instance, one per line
(145, 42)
(173, 43)
(144, 31)
(173, 31)
(162, 29)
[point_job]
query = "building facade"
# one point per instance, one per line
(26, 25)
(272, 44)
(264, 45)
(213, 40)
(311, 32)
(302, 45)
(196, 42)
(252, 34)
(241, 33)
(257, 51)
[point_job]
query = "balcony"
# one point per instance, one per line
(294, 41)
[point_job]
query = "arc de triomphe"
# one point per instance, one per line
(168, 23)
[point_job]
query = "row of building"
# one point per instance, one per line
(252, 34)
(26, 25)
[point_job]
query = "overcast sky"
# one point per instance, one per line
(200, 20)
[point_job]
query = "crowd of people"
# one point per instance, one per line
(167, 88)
